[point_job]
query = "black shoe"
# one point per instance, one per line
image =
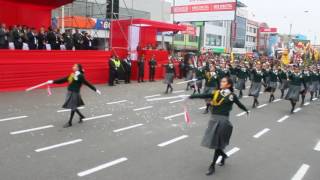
(211, 170)
(67, 125)
(223, 161)
(206, 111)
(81, 120)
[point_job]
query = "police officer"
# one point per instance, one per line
(152, 68)
(112, 71)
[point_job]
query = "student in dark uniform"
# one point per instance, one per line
(199, 76)
(307, 83)
(233, 73)
(283, 78)
(189, 73)
(127, 67)
(73, 98)
(273, 83)
(152, 68)
(256, 83)
(242, 75)
(314, 83)
(219, 131)
(141, 62)
(170, 74)
(181, 69)
(296, 83)
(211, 84)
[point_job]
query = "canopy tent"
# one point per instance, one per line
(145, 32)
(33, 13)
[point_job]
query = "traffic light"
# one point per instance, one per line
(115, 7)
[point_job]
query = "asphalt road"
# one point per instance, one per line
(135, 132)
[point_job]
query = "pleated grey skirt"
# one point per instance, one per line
(293, 93)
(314, 86)
(241, 84)
(273, 85)
(255, 89)
(169, 78)
(73, 100)
(284, 84)
(218, 133)
(233, 78)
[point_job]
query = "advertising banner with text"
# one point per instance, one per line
(204, 10)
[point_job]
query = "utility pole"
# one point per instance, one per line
(173, 35)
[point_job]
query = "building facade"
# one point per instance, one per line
(251, 36)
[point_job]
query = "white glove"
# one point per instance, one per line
(98, 92)
(50, 82)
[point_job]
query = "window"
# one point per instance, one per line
(193, 38)
(213, 40)
(179, 37)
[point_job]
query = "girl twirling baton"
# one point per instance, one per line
(73, 98)
(219, 129)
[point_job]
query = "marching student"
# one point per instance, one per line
(273, 83)
(219, 131)
(170, 74)
(199, 76)
(211, 84)
(73, 99)
(283, 78)
(140, 63)
(296, 83)
(189, 73)
(256, 83)
(307, 84)
(314, 83)
(242, 75)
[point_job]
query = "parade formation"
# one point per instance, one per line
(159, 90)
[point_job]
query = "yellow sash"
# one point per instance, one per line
(215, 101)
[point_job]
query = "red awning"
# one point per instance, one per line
(160, 26)
(49, 3)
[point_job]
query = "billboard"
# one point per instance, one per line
(268, 30)
(204, 10)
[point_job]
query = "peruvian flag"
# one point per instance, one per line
(187, 115)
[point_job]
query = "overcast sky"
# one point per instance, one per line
(282, 13)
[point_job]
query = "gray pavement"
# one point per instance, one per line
(129, 137)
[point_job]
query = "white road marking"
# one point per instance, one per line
(317, 147)
(173, 116)
(297, 110)
(301, 172)
(97, 117)
(229, 153)
(172, 102)
(31, 130)
(68, 110)
(261, 92)
(204, 107)
(13, 118)
(117, 102)
(143, 108)
(173, 141)
(101, 167)
(259, 134)
(127, 128)
(261, 106)
(315, 99)
(241, 114)
(245, 96)
(151, 96)
(277, 100)
(184, 82)
(307, 104)
(167, 98)
(58, 145)
(283, 119)
(176, 92)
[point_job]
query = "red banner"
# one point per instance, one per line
(268, 30)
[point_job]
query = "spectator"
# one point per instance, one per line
(78, 40)
(41, 37)
(3, 37)
(32, 40)
(68, 39)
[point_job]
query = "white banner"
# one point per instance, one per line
(134, 39)
(204, 10)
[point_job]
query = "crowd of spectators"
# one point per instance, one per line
(27, 38)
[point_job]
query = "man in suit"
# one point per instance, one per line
(41, 39)
(127, 67)
(78, 40)
(152, 68)
(141, 68)
(3, 37)
(32, 40)
(68, 39)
